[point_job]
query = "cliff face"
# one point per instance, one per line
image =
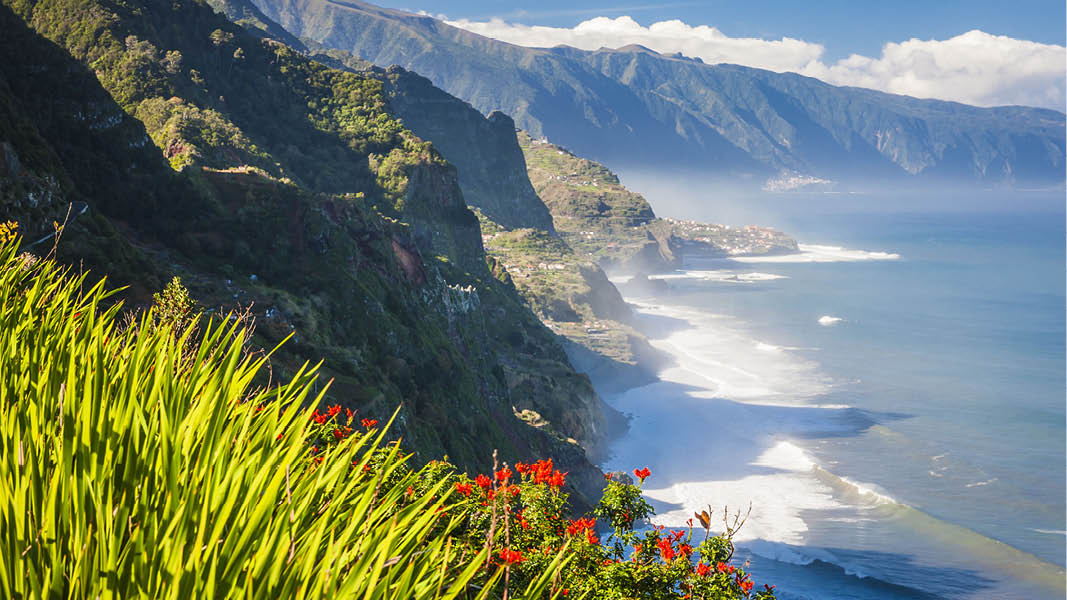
(267, 180)
(492, 170)
(634, 107)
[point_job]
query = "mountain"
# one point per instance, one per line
(632, 107)
(272, 183)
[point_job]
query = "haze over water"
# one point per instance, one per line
(891, 402)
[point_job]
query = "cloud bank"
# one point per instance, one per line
(974, 67)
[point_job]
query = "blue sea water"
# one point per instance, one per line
(924, 380)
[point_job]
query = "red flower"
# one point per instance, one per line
(591, 537)
(702, 569)
(685, 549)
(521, 468)
(333, 410)
(483, 482)
(369, 423)
(665, 550)
(349, 414)
(557, 479)
(747, 586)
(512, 557)
(464, 488)
(642, 474)
(541, 471)
(580, 525)
(503, 474)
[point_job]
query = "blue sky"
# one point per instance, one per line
(843, 27)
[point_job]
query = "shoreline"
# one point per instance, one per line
(759, 466)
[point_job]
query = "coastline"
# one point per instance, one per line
(672, 425)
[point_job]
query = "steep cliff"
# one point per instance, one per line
(268, 180)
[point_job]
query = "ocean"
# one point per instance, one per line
(890, 402)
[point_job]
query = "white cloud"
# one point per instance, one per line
(974, 67)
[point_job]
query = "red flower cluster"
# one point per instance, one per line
(511, 557)
(746, 586)
(503, 475)
(666, 550)
(542, 471)
(369, 423)
(580, 525)
(483, 482)
(331, 412)
(464, 488)
(642, 474)
(703, 569)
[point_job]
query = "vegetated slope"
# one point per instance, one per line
(568, 291)
(292, 186)
(634, 107)
(604, 221)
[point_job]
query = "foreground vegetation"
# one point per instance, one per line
(151, 456)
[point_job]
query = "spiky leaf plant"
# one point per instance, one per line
(141, 461)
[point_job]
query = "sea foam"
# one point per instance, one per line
(715, 428)
(721, 275)
(814, 253)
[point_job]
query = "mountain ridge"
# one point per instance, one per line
(744, 124)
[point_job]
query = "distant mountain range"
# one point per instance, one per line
(632, 106)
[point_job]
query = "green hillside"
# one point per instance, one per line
(270, 181)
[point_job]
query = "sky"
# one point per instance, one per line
(979, 52)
